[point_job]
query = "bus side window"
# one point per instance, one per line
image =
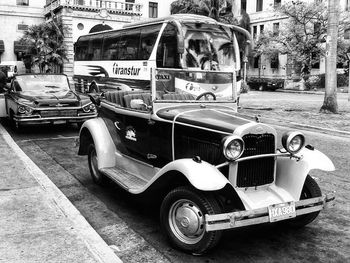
(81, 50)
(167, 56)
(128, 45)
(148, 37)
(96, 45)
(110, 46)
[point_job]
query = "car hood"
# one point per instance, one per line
(42, 98)
(210, 117)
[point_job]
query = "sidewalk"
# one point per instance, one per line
(38, 223)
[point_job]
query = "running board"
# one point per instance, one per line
(128, 181)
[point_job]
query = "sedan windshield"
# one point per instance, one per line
(42, 83)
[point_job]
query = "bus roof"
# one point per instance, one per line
(175, 17)
(178, 18)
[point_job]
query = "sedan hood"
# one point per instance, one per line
(210, 117)
(42, 98)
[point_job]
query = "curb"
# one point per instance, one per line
(98, 247)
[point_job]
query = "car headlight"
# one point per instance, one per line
(293, 142)
(22, 109)
(89, 107)
(233, 147)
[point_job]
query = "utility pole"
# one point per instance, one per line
(330, 100)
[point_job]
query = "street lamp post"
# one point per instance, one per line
(348, 55)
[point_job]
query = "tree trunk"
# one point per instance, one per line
(330, 100)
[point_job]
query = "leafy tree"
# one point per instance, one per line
(301, 36)
(45, 45)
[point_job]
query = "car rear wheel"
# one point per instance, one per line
(96, 175)
(182, 217)
(310, 190)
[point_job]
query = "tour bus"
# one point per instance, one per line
(189, 45)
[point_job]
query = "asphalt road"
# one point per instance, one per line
(130, 225)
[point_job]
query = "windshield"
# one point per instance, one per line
(210, 47)
(172, 84)
(42, 83)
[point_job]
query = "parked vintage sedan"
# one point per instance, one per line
(212, 168)
(46, 98)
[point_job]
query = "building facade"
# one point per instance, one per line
(262, 18)
(15, 17)
(79, 17)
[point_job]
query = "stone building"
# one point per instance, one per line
(78, 16)
(15, 17)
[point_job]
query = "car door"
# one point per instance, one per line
(129, 130)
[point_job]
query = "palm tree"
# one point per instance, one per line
(330, 99)
(219, 10)
(45, 45)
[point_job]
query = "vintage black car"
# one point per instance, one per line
(45, 98)
(213, 168)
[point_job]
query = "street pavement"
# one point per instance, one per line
(38, 223)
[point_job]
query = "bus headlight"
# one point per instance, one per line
(293, 142)
(233, 147)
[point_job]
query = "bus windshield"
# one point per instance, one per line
(210, 47)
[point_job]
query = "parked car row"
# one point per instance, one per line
(212, 168)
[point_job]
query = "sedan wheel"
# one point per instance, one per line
(182, 218)
(15, 125)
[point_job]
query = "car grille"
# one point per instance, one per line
(189, 147)
(58, 113)
(258, 171)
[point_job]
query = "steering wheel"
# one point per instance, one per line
(206, 94)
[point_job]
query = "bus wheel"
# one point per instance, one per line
(94, 88)
(182, 219)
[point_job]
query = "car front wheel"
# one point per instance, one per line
(14, 124)
(310, 190)
(182, 218)
(96, 175)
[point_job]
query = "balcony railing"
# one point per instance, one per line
(112, 6)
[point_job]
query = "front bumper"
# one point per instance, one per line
(37, 119)
(261, 215)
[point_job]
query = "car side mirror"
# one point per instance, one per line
(95, 99)
(139, 104)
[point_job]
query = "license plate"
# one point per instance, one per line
(282, 211)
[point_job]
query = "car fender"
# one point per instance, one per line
(201, 175)
(291, 172)
(97, 130)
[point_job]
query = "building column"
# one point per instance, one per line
(67, 21)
